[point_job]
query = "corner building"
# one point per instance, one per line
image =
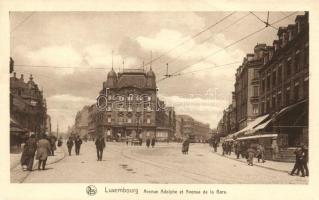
(130, 101)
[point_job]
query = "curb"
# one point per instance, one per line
(270, 168)
(35, 163)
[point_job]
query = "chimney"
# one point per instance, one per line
(15, 74)
(21, 78)
(31, 78)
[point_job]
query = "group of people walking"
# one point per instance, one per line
(39, 147)
(77, 142)
(150, 142)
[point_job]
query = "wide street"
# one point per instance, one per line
(163, 164)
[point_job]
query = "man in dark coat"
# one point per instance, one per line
(298, 163)
(250, 153)
(185, 146)
(148, 142)
(69, 144)
(153, 142)
(100, 145)
(28, 153)
(238, 149)
(304, 159)
(78, 143)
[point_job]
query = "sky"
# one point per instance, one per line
(70, 53)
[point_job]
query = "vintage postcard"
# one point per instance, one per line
(153, 103)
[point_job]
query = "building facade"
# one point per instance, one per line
(285, 83)
(189, 127)
(247, 87)
(81, 125)
(28, 111)
(127, 105)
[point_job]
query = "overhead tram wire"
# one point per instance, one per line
(208, 68)
(231, 44)
(187, 40)
(264, 22)
(209, 38)
(62, 67)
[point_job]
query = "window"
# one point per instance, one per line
(306, 88)
(288, 68)
(274, 78)
(262, 107)
(306, 57)
(297, 62)
(279, 74)
(256, 73)
(109, 119)
(263, 85)
(287, 96)
(148, 120)
(267, 105)
(129, 120)
(255, 109)
(296, 92)
(255, 91)
(273, 102)
(279, 100)
(268, 81)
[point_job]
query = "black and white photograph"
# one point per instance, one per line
(159, 97)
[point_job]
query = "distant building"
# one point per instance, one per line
(82, 122)
(189, 127)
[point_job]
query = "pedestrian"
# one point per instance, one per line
(60, 142)
(304, 159)
(215, 145)
(43, 150)
(100, 145)
(148, 142)
(185, 146)
(251, 154)
(28, 153)
(224, 148)
(153, 142)
(52, 141)
(274, 149)
(298, 163)
(78, 143)
(260, 153)
(238, 149)
(69, 144)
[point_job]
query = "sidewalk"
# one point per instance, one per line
(272, 165)
(17, 175)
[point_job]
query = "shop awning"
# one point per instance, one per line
(258, 136)
(258, 127)
(250, 126)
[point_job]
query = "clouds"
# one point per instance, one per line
(63, 108)
(85, 40)
(203, 107)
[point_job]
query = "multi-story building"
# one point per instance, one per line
(189, 127)
(28, 111)
(92, 110)
(284, 79)
(247, 87)
(127, 104)
(81, 126)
